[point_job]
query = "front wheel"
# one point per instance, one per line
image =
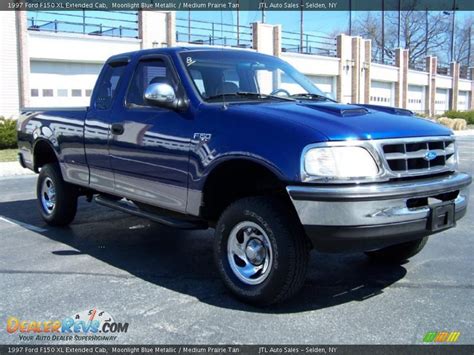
(57, 200)
(261, 250)
(399, 252)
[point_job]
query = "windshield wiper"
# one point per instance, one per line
(251, 95)
(308, 96)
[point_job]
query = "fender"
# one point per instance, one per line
(196, 193)
(259, 160)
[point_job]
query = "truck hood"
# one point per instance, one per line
(341, 122)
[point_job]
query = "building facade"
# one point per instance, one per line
(56, 63)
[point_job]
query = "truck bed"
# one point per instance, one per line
(62, 127)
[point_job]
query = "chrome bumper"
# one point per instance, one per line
(375, 211)
(374, 203)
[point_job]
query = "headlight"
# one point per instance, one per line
(339, 163)
(453, 161)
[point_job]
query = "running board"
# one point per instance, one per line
(130, 208)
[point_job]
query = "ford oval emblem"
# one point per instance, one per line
(430, 155)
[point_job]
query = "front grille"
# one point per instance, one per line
(419, 157)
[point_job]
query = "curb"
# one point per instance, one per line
(468, 132)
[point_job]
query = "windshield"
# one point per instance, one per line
(243, 76)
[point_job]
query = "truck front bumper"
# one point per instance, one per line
(371, 216)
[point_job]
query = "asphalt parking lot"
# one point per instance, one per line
(164, 284)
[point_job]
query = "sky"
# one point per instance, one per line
(316, 22)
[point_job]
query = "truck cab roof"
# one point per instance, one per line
(176, 50)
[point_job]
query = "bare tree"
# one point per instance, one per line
(369, 27)
(463, 51)
(416, 36)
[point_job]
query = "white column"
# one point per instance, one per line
(431, 68)
(401, 86)
(346, 67)
(471, 104)
(455, 86)
(156, 29)
(9, 73)
(264, 38)
(366, 67)
(24, 67)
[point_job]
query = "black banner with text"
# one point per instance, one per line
(242, 5)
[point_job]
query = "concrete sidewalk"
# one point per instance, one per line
(467, 132)
(13, 168)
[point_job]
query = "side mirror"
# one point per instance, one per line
(163, 95)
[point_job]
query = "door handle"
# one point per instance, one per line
(117, 129)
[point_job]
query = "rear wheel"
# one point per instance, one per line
(57, 200)
(399, 252)
(261, 252)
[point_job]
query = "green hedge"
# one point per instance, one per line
(7, 133)
(467, 115)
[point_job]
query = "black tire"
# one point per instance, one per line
(289, 249)
(399, 252)
(64, 208)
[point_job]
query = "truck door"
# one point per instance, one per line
(97, 125)
(149, 145)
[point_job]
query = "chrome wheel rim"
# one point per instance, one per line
(48, 195)
(249, 253)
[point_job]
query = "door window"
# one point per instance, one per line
(148, 72)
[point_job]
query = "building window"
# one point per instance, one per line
(76, 92)
(62, 92)
(88, 93)
(47, 92)
(34, 92)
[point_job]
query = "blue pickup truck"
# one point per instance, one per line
(243, 143)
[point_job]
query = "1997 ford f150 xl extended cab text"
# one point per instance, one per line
(242, 142)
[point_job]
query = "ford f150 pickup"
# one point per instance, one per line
(244, 143)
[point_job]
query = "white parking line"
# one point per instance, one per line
(24, 225)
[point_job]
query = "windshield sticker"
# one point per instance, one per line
(190, 61)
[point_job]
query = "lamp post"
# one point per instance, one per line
(453, 22)
(383, 31)
(426, 32)
(301, 26)
(399, 20)
(452, 30)
(350, 17)
(238, 23)
(189, 25)
(469, 47)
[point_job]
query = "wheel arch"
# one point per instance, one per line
(44, 153)
(238, 177)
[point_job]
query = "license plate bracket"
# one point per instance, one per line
(441, 216)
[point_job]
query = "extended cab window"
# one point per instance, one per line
(108, 85)
(148, 72)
